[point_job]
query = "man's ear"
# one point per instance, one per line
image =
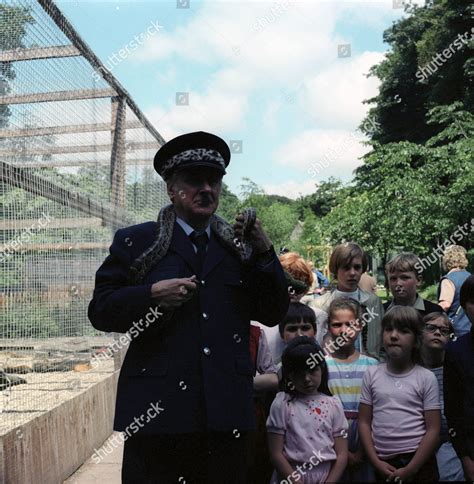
(419, 280)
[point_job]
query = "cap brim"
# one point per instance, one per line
(201, 163)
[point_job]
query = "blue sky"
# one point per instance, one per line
(276, 76)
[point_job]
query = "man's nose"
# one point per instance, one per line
(300, 332)
(206, 186)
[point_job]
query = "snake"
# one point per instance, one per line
(242, 248)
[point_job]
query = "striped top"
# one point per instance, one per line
(345, 381)
(438, 373)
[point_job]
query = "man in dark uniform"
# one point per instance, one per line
(184, 396)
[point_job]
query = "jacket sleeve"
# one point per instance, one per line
(115, 304)
(454, 395)
(269, 291)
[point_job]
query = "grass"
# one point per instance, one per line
(427, 292)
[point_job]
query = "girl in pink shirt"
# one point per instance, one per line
(399, 411)
(307, 429)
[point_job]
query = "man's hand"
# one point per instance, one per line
(257, 236)
(172, 293)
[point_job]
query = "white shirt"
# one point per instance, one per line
(189, 230)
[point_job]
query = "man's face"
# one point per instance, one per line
(403, 286)
(195, 192)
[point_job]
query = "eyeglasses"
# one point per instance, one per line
(431, 328)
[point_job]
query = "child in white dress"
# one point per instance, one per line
(307, 430)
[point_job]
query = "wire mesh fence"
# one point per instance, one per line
(75, 165)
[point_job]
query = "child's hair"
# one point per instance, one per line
(295, 359)
(467, 292)
(455, 256)
(405, 262)
(439, 315)
(297, 267)
(406, 317)
(298, 312)
(343, 254)
(343, 303)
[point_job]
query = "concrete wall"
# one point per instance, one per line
(51, 447)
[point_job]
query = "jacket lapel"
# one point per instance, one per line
(181, 244)
(215, 253)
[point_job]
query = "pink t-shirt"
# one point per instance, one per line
(398, 402)
(309, 423)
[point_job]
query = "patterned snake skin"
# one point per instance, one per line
(164, 231)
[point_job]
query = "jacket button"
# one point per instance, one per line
(206, 350)
(203, 282)
(205, 315)
(143, 370)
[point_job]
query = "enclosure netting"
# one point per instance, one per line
(61, 199)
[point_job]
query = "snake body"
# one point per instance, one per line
(164, 232)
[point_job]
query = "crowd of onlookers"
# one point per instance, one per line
(350, 389)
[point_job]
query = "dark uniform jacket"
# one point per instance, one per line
(196, 369)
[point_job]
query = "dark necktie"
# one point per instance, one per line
(200, 241)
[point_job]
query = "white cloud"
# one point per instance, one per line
(334, 96)
(221, 108)
(328, 152)
(291, 189)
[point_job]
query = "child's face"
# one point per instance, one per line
(433, 337)
(300, 328)
(348, 277)
(308, 381)
(403, 286)
(398, 343)
(343, 323)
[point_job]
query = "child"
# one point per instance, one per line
(399, 413)
(265, 384)
(300, 320)
(346, 264)
(346, 367)
(299, 279)
(404, 278)
(437, 332)
(307, 430)
(459, 386)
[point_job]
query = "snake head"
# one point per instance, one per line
(250, 216)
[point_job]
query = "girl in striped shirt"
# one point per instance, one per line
(346, 368)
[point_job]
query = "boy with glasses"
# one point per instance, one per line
(437, 332)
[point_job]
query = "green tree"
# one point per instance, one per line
(407, 92)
